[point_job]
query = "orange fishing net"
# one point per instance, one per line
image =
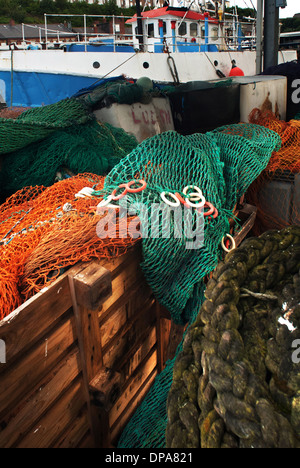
(276, 192)
(44, 230)
(12, 112)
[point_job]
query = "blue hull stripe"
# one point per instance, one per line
(31, 89)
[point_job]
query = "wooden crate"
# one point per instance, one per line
(80, 356)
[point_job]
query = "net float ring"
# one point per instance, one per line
(138, 189)
(200, 198)
(192, 187)
(233, 244)
(194, 196)
(105, 202)
(212, 212)
(176, 202)
(85, 192)
(182, 200)
(128, 189)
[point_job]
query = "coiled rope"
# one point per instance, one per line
(235, 383)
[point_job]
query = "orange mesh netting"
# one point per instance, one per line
(276, 192)
(44, 230)
(12, 112)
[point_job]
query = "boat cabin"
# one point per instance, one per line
(177, 30)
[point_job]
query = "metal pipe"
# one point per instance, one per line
(85, 37)
(259, 36)
(139, 25)
(46, 35)
(271, 34)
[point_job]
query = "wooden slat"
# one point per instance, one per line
(118, 264)
(133, 386)
(128, 337)
(121, 312)
(76, 432)
(28, 371)
(124, 418)
(163, 333)
(247, 215)
(137, 353)
(87, 442)
(59, 341)
(136, 289)
(50, 428)
(122, 283)
(49, 390)
(93, 286)
(24, 326)
(113, 324)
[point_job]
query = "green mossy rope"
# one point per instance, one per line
(235, 383)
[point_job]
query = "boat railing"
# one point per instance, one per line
(228, 36)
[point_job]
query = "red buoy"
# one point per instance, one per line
(236, 71)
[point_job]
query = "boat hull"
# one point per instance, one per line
(42, 77)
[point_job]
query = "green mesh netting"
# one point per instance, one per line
(38, 123)
(119, 91)
(148, 425)
(223, 163)
(92, 147)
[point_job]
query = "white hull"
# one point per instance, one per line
(65, 66)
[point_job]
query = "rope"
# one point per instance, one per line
(235, 384)
(173, 70)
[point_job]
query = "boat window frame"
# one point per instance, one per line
(184, 23)
(214, 33)
(152, 35)
(190, 29)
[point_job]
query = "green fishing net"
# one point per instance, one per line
(223, 164)
(91, 147)
(38, 123)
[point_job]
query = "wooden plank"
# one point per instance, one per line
(127, 338)
(138, 289)
(163, 338)
(93, 286)
(122, 283)
(132, 305)
(124, 418)
(56, 421)
(118, 264)
(175, 337)
(87, 442)
(75, 432)
(133, 386)
(138, 352)
(91, 342)
(48, 391)
(21, 329)
(113, 324)
(105, 388)
(247, 214)
(29, 370)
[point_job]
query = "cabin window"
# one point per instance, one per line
(202, 32)
(150, 30)
(193, 29)
(182, 30)
(215, 34)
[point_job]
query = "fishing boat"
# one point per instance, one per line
(167, 44)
